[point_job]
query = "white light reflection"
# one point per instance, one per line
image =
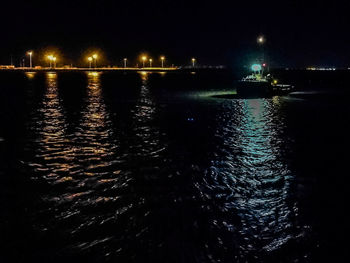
(261, 169)
(252, 169)
(147, 134)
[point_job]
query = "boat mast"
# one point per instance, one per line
(261, 42)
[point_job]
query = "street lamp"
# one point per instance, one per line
(261, 40)
(94, 56)
(162, 59)
(150, 62)
(193, 61)
(90, 61)
(54, 62)
(143, 61)
(30, 53)
(125, 60)
(50, 57)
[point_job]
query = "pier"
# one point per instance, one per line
(64, 69)
(113, 69)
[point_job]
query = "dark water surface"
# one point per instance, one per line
(101, 167)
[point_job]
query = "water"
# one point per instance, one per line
(137, 167)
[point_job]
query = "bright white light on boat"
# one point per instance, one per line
(256, 67)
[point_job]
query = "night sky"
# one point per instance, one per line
(298, 34)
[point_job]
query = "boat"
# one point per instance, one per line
(254, 85)
(258, 85)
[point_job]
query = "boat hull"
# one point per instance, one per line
(254, 89)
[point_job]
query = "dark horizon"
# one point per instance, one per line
(297, 34)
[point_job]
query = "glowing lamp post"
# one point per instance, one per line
(30, 53)
(125, 60)
(150, 62)
(193, 62)
(50, 58)
(94, 56)
(54, 62)
(143, 61)
(162, 59)
(261, 40)
(90, 61)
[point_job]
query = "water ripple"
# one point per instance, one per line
(106, 190)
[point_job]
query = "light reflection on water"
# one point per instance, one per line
(90, 177)
(93, 136)
(80, 162)
(249, 175)
(262, 203)
(147, 134)
(106, 200)
(49, 125)
(30, 75)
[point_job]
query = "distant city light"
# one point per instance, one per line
(321, 68)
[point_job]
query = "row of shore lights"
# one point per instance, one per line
(52, 59)
(143, 58)
(93, 58)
